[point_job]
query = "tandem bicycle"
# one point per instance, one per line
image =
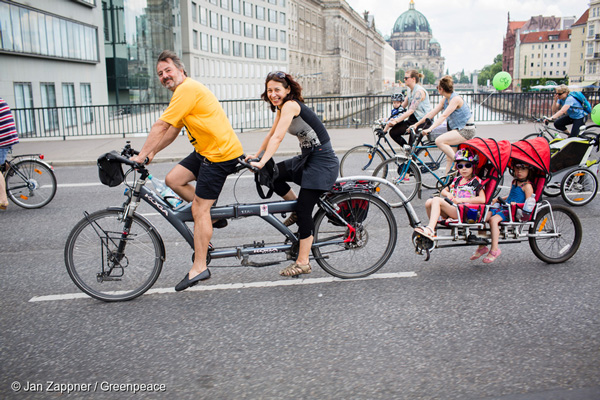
(116, 254)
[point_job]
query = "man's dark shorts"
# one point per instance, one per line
(210, 177)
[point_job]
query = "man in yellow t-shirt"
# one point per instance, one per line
(216, 149)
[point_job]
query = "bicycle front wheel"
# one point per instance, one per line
(107, 264)
(361, 160)
(405, 175)
(362, 250)
(435, 160)
(579, 187)
(565, 229)
(30, 184)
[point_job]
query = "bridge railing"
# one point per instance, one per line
(334, 111)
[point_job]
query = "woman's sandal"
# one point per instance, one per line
(3, 206)
(479, 252)
(491, 257)
(296, 269)
(422, 231)
(291, 220)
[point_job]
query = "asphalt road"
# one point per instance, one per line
(448, 328)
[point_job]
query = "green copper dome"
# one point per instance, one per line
(412, 21)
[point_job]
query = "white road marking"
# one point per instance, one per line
(230, 286)
(73, 185)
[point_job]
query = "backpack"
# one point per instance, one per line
(110, 170)
(585, 104)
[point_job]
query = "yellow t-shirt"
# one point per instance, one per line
(207, 125)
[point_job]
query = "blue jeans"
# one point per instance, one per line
(4, 153)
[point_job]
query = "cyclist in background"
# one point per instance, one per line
(8, 137)
(418, 105)
(570, 109)
(216, 150)
(461, 125)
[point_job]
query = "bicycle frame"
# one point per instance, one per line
(266, 211)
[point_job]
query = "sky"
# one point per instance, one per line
(470, 32)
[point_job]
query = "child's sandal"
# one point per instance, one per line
(491, 257)
(479, 252)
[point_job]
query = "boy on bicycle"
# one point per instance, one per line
(397, 109)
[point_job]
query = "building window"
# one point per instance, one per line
(87, 113)
(273, 53)
(214, 44)
(48, 92)
(282, 18)
(195, 39)
(249, 50)
(282, 36)
(194, 12)
(225, 4)
(260, 32)
(31, 32)
(214, 20)
(68, 90)
(247, 9)
(235, 6)
(224, 23)
(283, 54)
(248, 30)
(591, 29)
(260, 13)
(225, 47)
(203, 18)
(272, 35)
(237, 49)
(24, 119)
(261, 52)
(203, 42)
(273, 16)
(236, 27)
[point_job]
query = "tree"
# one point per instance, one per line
(400, 75)
(463, 78)
(429, 78)
(489, 71)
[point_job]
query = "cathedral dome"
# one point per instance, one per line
(411, 21)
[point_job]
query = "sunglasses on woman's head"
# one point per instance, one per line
(278, 74)
(465, 165)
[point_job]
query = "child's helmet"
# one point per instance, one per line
(466, 155)
(397, 97)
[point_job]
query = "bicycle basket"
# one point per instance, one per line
(110, 170)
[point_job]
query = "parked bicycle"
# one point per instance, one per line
(116, 254)
(30, 181)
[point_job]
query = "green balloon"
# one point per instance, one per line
(502, 80)
(596, 114)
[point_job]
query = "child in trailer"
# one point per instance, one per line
(520, 190)
(464, 189)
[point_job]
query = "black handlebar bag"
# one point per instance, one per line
(266, 177)
(110, 170)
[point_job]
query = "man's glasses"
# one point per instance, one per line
(406, 77)
(278, 74)
(465, 165)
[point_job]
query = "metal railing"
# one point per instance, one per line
(335, 112)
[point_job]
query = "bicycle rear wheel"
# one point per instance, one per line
(30, 184)
(361, 160)
(93, 261)
(365, 252)
(405, 175)
(560, 247)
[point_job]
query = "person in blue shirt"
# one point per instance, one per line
(397, 109)
(567, 110)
